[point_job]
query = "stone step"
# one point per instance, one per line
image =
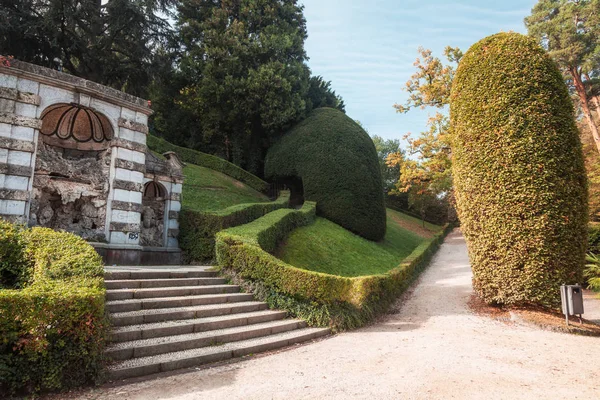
(160, 274)
(180, 327)
(179, 313)
(150, 293)
(190, 358)
(156, 283)
(117, 306)
(170, 344)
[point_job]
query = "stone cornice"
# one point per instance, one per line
(73, 83)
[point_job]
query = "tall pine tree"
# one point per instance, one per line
(247, 77)
(570, 31)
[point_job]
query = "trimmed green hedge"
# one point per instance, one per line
(197, 230)
(14, 268)
(320, 299)
(209, 161)
(518, 172)
(337, 162)
(53, 329)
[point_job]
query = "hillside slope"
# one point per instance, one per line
(329, 248)
(205, 190)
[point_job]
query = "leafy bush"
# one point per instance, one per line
(337, 162)
(14, 268)
(209, 161)
(321, 299)
(197, 230)
(52, 330)
(519, 174)
(593, 238)
(63, 256)
(592, 271)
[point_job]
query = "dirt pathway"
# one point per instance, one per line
(431, 347)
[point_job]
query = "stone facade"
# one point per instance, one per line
(73, 156)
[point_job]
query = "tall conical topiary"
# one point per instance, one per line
(519, 174)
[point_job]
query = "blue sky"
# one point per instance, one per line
(366, 48)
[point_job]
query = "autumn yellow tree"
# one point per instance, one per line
(425, 169)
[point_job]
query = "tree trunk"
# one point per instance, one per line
(585, 106)
(595, 100)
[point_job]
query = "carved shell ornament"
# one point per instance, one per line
(74, 124)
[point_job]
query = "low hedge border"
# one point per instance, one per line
(197, 230)
(52, 325)
(321, 299)
(209, 161)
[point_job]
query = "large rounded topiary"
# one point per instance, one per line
(519, 175)
(337, 162)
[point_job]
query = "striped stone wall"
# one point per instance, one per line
(26, 91)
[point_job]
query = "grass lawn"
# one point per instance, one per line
(327, 247)
(207, 190)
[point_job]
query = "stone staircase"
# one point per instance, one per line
(167, 318)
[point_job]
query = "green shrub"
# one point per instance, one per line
(592, 271)
(518, 172)
(53, 330)
(209, 161)
(63, 256)
(337, 162)
(593, 238)
(197, 230)
(321, 299)
(14, 268)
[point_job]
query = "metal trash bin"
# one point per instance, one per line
(571, 297)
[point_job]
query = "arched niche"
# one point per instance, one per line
(72, 168)
(153, 215)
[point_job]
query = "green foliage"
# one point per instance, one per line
(247, 74)
(62, 256)
(518, 172)
(594, 238)
(570, 31)
(14, 267)
(426, 171)
(320, 94)
(431, 85)
(326, 247)
(321, 299)
(53, 330)
(591, 271)
(113, 43)
(389, 173)
(52, 336)
(209, 161)
(197, 230)
(337, 162)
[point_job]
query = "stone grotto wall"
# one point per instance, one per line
(73, 156)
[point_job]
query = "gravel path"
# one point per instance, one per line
(431, 347)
